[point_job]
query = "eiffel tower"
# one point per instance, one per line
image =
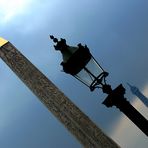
(86, 132)
(137, 92)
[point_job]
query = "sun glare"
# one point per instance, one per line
(10, 8)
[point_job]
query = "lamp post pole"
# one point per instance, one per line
(78, 62)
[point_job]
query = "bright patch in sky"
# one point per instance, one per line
(145, 91)
(11, 8)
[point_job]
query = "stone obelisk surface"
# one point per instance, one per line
(88, 134)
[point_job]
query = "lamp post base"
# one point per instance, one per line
(116, 98)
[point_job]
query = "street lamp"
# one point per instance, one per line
(79, 62)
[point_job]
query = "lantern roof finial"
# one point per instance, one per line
(59, 44)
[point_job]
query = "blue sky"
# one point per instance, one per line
(116, 33)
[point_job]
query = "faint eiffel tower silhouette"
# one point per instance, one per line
(137, 92)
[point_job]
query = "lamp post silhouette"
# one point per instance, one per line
(79, 62)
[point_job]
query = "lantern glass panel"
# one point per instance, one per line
(90, 72)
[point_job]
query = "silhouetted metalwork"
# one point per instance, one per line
(62, 108)
(137, 92)
(79, 62)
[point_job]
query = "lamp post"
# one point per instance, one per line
(79, 62)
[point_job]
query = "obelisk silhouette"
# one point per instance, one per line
(88, 134)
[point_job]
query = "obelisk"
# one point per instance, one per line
(79, 124)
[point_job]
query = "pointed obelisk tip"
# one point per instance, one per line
(2, 41)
